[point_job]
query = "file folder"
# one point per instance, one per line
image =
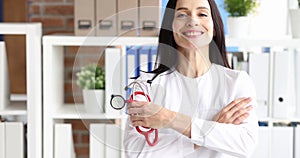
(262, 147)
(2, 140)
(113, 81)
(259, 73)
(132, 65)
(14, 143)
(153, 56)
(84, 17)
(106, 17)
(97, 140)
(132, 62)
(284, 85)
(149, 25)
(4, 78)
(144, 55)
(297, 72)
(63, 141)
(113, 141)
(127, 17)
(282, 142)
(297, 142)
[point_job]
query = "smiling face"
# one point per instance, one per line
(193, 24)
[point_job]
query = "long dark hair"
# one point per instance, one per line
(167, 56)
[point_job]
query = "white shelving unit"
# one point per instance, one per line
(55, 111)
(33, 106)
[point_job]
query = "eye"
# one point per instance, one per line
(181, 15)
(203, 15)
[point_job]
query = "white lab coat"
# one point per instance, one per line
(201, 98)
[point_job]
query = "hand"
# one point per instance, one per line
(235, 112)
(149, 115)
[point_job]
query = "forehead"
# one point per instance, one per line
(192, 4)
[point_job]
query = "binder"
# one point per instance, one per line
(63, 141)
(144, 56)
(297, 78)
(259, 73)
(113, 81)
(2, 140)
(132, 62)
(297, 142)
(4, 78)
(127, 17)
(97, 140)
(14, 140)
(149, 25)
(282, 142)
(152, 58)
(113, 141)
(106, 18)
(284, 85)
(262, 147)
(84, 17)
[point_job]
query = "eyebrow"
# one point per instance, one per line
(183, 8)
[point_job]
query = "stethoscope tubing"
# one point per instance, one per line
(145, 133)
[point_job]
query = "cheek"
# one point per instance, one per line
(209, 26)
(176, 26)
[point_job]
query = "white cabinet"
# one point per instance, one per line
(33, 106)
(55, 110)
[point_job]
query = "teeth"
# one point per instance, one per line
(193, 33)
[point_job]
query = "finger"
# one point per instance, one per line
(242, 111)
(240, 105)
(136, 104)
(240, 119)
(231, 104)
(131, 111)
(138, 123)
(136, 118)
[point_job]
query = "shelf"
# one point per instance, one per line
(68, 40)
(64, 40)
(77, 111)
(15, 108)
(254, 42)
(279, 120)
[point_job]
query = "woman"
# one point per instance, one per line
(190, 91)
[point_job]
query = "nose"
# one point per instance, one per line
(193, 22)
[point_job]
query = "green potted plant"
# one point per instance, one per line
(238, 21)
(91, 79)
(295, 16)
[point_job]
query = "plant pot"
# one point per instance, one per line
(295, 24)
(238, 27)
(93, 100)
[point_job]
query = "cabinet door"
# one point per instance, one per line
(262, 147)
(2, 141)
(282, 142)
(297, 142)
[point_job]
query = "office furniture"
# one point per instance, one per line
(32, 109)
(55, 111)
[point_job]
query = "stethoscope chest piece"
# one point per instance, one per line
(117, 102)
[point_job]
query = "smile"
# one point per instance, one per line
(193, 33)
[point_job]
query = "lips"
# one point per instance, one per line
(193, 33)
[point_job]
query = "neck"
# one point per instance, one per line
(193, 63)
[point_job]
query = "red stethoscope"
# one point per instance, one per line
(118, 102)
